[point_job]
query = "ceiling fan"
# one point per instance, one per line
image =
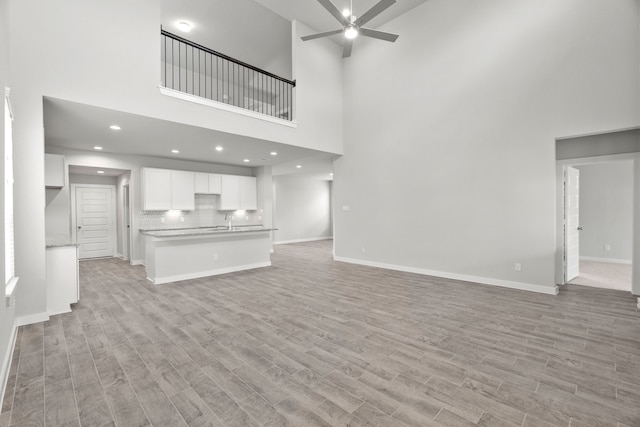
(352, 26)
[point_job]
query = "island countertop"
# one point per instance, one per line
(173, 255)
(203, 231)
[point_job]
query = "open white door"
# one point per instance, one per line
(571, 223)
(95, 221)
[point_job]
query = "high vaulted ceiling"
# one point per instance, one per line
(254, 31)
(311, 13)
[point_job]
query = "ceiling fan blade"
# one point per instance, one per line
(378, 34)
(325, 34)
(348, 44)
(377, 9)
(335, 12)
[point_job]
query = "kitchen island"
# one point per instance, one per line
(182, 254)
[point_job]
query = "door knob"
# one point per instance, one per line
(579, 228)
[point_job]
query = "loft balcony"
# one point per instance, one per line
(196, 70)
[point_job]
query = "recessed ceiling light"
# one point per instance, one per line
(219, 148)
(115, 127)
(273, 153)
(175, 151)
(100, 172)
(246, 160)
(97, 147)
(298, 166)
(184, 26)
(331, 174)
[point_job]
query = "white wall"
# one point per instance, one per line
(606, 211)
(7, 314)
(107, 54)
(635, 284)
(302, 209)
(449, 164)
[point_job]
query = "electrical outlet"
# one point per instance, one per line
(364, 249)
(162, 220)
(518, 266)
(215, 257)
(607, 248)
(181, 219)
(346, 208)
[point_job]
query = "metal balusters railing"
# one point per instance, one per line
(191, 68)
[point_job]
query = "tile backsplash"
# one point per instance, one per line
(206, 214)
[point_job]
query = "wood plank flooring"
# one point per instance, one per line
(313, 342)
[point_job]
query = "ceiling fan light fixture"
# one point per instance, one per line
(346, 13)
(351, 32)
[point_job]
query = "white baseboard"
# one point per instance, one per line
(6, 363)
(609, 260)
(550, 290)
(32, 318)
(199, 274)
(136, 262)
(312, 239)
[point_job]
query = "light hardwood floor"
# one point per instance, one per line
(311, 341)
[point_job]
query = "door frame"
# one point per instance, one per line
(126, 231)
(112, 229)
(561, 166)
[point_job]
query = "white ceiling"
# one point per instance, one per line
(311, 13)
(242, 29)
(79, 126)
(251, 30)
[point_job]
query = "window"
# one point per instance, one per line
(9, 269)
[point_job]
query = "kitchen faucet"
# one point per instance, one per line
(228, 217)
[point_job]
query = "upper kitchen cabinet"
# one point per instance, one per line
(53, 171)
(208, 183)
(164, 189)
(248, 193)
(182, 191)
(238, 193)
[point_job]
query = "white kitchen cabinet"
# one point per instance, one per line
(230, 193)
(238, 193)
(61, 263)
(201, 183)
(53, 171)
(156, 189)
(165, 189)
(215, 183)
(182, 191)
(207, 183)
(248, 193)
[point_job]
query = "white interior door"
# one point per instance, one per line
(572, 223)
(126, 241)
(95, 221)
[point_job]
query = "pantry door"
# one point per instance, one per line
(95, 219)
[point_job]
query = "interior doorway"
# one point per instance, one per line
(126, 232)
(93, 220)
(598, 222)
